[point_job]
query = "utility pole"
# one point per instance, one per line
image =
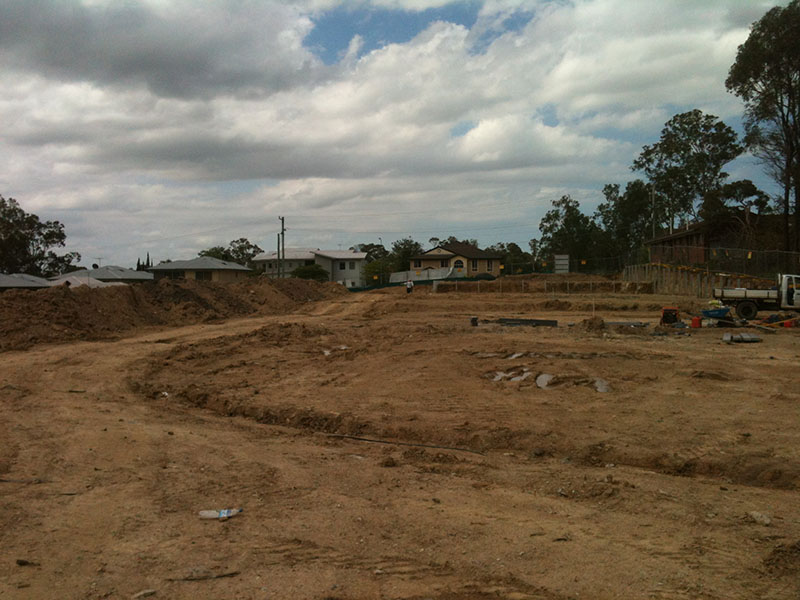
(278, 262)
(283, 247)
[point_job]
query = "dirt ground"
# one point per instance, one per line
(382, 447)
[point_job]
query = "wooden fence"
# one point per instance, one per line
(691, 281)
(550, 285)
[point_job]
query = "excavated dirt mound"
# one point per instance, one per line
(61, 313)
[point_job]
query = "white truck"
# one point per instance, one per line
(784, 296)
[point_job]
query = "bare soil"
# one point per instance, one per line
(382, 447)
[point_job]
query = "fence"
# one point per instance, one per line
(759, 263)
(672, 279)
(549, 285)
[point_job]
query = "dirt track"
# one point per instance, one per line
(681, 481)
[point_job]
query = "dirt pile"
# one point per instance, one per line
(593, 324)
(29, 317)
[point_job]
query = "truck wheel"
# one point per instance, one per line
(747, 310)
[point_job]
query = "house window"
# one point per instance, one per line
(444, 263)
(488, 265)
(474, 264)
(269, 266)
(417, 264)
(202, 275)
(459, 264)
(352, 265)
(342, 266)
(175, 274)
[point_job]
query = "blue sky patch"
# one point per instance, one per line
(462, 128)
(378, 27)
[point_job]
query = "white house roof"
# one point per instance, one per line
(21, 280)
(111, 272)
(341, 254)
(78, 280)
(203, 263)
(291, 254)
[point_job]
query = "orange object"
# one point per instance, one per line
(697, 322)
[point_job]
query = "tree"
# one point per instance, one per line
(218, 252)
(380, 268)
(566, 230)
(625, 220)
(315, 272)
(766, 76)
(374, 251)
(26, 242)
(402, 251)
(240, 251)
(686, 163)
(514, 259)
(733, 208)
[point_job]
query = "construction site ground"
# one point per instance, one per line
(381, 446)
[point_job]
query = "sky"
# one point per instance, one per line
(172, 126)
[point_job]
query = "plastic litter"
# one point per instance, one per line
(223, 514)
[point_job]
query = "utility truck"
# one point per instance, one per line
(785, 296)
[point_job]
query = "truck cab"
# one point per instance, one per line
(790, 292)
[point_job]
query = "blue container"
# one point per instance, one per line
(716, 313)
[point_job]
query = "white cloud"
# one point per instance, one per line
(160, 138)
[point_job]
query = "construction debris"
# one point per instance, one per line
(741, 338)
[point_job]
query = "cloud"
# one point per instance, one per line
(165, 119)
(174, 49)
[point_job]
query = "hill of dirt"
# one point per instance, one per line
(64, 313)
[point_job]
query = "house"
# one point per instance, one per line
(114, 274)
(343, 266)
(267, 262)
(22, 281)
(687, 246)
(465, 260)
(80, 279)
(203, 268)
(703, 242)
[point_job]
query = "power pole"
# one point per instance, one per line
(283, 247)
(278, 262)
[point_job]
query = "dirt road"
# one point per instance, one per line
(648, 467)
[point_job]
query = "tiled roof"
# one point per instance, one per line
(459, 249)
(203, 263)
(20, 280)
(341, 254)
(290, 254)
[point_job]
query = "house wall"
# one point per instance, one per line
(219, 275)
(687, 249)
(351, 276)
(225, 276)
(469, 267)
(270, 267)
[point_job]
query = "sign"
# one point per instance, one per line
(561, 263)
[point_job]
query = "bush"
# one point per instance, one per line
(315, 272)
(485, 276)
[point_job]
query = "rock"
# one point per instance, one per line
(143, 594)
(759, 518)
(543, 380)
(388, 462)
(601, 385)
